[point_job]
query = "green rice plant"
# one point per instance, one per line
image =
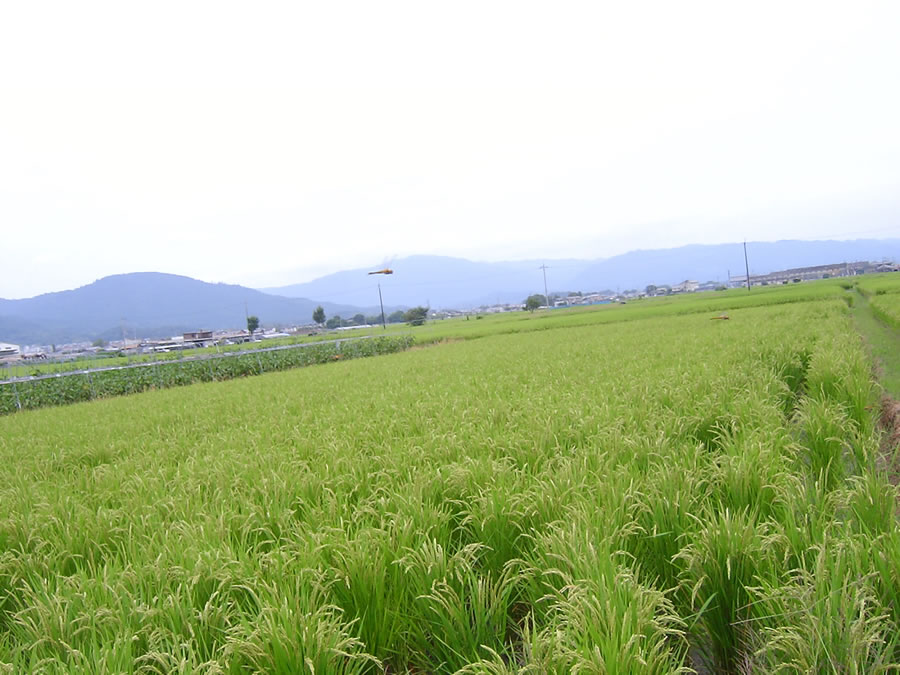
(823, 448)
(840, 372)
(536, 655)
(500, 516)
(598, 616)
(871, 502)
(878, 284)
(825, 618)
(791, 366)
(881, 555)
(887, 309)
(722, 562)
(807, 513)
(663, 510)
(748, 472)
(297, 632)
(465, 614)
(367, 582)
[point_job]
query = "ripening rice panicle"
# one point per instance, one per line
(839, 372)
(824, 617)
(597, 616)
(297, 632)
(722, 562)
(823, 450)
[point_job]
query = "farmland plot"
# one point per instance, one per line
(887, 308)
(630, 497)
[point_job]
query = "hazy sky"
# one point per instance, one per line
(266, 143)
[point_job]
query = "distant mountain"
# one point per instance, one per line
(444, 282)
(637, 269)
(440, 282)
(148, 304)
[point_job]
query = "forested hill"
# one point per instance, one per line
(147, 304)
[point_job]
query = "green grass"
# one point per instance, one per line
(622, 489)
(882, 338)
(878, 284)
(887, 309)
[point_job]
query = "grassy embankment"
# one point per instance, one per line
(876, 312)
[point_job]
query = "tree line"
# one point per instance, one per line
(415, 317)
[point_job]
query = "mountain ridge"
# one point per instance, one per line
(147, 304)
(154, 304)
(445, 282)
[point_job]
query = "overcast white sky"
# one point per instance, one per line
(267, 144)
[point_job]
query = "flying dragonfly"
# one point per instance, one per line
(386, 270)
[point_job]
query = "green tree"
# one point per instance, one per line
(359, 319)
(99, 342)
(319, 315)
(252, 324)
(397, 317)
(416, 316)
(334, 322)
(650, 290)
(535, 301)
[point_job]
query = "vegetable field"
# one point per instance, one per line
(71, 387)
(649, 494)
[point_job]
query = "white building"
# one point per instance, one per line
(686, 286)
(9, 350)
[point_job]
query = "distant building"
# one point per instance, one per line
(686, 286)
(198, 338)
(8, 349)
(843, 269)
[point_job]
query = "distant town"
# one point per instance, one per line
(10, 353)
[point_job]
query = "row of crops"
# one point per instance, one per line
(63, 364)
(86, 385)
(887, 308)
(883, 293)
(643, 496)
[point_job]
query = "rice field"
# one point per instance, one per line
(879, 284)
(887, 308)
(625, 490)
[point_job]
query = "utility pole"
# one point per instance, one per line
(546, 294)
(746, 265)
(124, 343)
(386, 270)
